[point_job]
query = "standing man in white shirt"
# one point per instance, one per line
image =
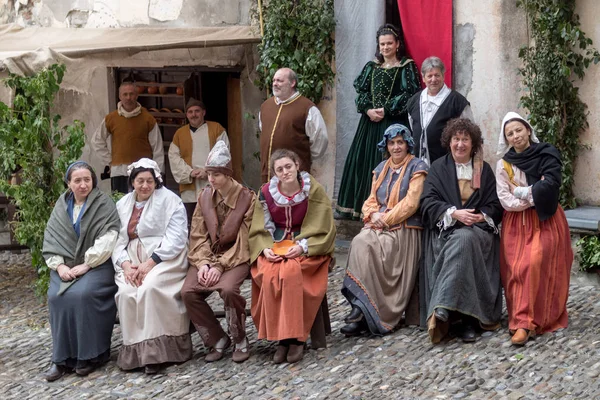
(290, 121)
(188, 151)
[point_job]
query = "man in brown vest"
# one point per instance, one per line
(188, 151)
(290, 121)
(219, 257)
(132, 133)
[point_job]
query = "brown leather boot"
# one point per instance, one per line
(520, 337)
(280, 354)
(295, 353)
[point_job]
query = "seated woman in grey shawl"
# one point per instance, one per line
(384, 257)
(459, 280)
(79, 239)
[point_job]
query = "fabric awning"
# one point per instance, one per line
(73, 42)
(25, 51)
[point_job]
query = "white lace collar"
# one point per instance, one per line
(299, 197)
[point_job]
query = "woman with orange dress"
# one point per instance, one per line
(536, 254)
(292, 238)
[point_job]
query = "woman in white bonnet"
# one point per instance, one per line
(151, 264)
(536, 255)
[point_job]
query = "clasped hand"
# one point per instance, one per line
(293, 252)
(198, 173)
(68, 274)
(377, 221)
(135, 274)
(376, 114)
(208, 276)
(468, 216)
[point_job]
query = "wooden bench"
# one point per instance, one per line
(10, 210)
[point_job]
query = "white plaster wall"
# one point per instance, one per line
(499, 31)
(493, 89)
(587, 173)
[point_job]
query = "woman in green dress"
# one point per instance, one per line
(384, 87)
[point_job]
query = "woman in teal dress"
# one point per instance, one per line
(384, 87)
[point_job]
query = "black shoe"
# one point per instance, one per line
(354, 328)
(469, 335)
(55, 372)
(441, 314)
(85, 370)
(152, 369)
(355, 315)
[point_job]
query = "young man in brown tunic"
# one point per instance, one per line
(219, 257)
(132, 133)
(290, 121)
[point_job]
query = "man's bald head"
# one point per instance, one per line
(285, 82)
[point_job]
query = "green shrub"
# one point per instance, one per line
(589, 255)
(33, 144)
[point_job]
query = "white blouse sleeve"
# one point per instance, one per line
(317, 132)
(176, 235)
(54, 261)
(101, 250)
(179, 168)
(507, 199)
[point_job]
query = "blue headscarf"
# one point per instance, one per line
(397, 130)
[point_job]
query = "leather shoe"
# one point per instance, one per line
(216, 354)
(520, 337)
(295, 353)
(353, 328)
(355, 315)
(280, 354)
(241, 355)
(441, 314)
(152, 369)
(54, 372)
(468, 335)
(86, 370)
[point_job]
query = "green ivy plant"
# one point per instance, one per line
(34, 145)
(298, 34)
(559, 51)
(589, 253)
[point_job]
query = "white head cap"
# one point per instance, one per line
(145, 163)
(502, 145)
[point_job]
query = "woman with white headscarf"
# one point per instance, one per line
(536, 254)
(151, 265)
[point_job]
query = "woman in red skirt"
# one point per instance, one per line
(536, 256)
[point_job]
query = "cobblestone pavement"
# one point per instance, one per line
(402, 365)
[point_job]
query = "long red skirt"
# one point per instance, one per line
(535, 266)
(286, 296)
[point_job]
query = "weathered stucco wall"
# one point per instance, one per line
(487, 37)
(587, 173)
(118, 13)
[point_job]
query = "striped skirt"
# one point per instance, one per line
(535, 266)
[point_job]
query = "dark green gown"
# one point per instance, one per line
(376, 87)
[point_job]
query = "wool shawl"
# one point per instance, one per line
(152, 226)
(441, 192)
(318, 226)
(97, 218)
(540, 159)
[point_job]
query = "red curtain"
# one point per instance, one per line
(427, 27)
